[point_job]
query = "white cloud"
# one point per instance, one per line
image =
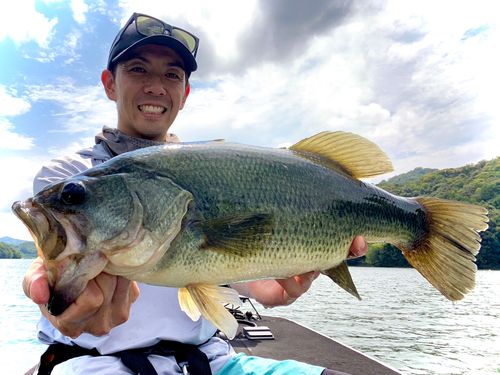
(11, 226)
(33, 26)
(21, 172)
(10, 140)
(12, 106)
(79, 10)
(222, 21)
(67, 48)
(401, 78)
(37, 27)
(72, 147)
(84, 108)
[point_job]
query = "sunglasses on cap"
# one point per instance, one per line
(147, 27)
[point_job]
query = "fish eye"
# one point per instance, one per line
(73, 193)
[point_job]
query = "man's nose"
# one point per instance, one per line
(155, 86)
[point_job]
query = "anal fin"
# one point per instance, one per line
(205, 300)
(188, 305)
(342, 277)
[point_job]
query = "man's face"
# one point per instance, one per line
(149, 90)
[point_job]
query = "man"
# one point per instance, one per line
(148, 77)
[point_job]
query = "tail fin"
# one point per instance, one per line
(446, 256)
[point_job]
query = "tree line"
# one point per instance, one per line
(22, 251)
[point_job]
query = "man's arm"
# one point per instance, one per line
(273, 293)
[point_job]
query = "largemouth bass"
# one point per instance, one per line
(195, 216)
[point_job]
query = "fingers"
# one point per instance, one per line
(294, 287)
(125, 294)
(74, 320)
(358, 248)
(269, 293)
(272, 293)
(35, 284)
(104, 304)
(39, 290)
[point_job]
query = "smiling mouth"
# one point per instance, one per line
(152, 109)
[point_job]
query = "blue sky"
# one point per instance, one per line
(419, 78)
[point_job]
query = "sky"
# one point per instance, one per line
(418, 78)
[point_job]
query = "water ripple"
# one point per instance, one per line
(402, 321)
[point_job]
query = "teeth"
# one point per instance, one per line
(151, 109)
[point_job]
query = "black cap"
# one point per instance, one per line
(130, 38)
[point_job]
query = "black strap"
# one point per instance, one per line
(58, 353)
(135, 359)
(198, 361)
(137, 362)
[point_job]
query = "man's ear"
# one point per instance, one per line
(108, 81)
(186, 94)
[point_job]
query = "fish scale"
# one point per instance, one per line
(194, 216)
(314, 221)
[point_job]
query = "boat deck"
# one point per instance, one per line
(294, 341)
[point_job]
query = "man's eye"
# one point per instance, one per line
(137, 69)
(172, 75)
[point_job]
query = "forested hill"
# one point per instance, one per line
(410, 176)
(475, 183)
(11, 248)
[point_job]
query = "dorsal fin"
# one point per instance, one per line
(358, 156)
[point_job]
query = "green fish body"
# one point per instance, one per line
(195, 216)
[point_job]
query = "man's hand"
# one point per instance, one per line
(272, 293)
(104, 304)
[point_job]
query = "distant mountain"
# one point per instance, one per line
(9, 252)
(28, 249)
(12, 248)
(12, 241)
(413, 175)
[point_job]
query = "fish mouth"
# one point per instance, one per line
(69, 277)
(58, 303)
(48, 234)
(68, 270)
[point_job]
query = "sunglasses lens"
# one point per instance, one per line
(185, 38)
(149, 26)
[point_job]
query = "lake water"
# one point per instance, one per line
(402, 321)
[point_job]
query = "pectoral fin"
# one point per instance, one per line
(196, 300)
(238, 235)
(342, 277)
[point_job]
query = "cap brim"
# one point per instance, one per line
(167, 41)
